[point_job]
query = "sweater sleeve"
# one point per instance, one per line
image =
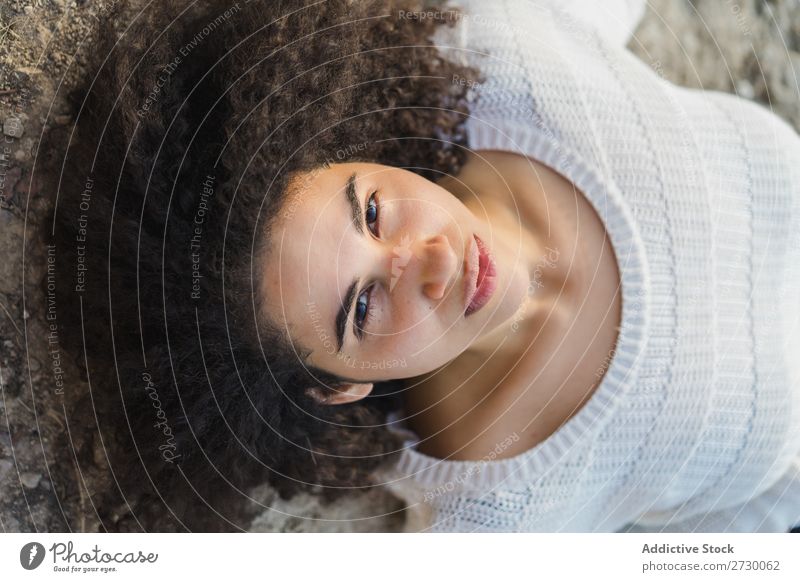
(775, 510)
(614, 19)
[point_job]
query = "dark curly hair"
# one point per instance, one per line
(190, 126)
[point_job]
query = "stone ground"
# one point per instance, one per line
(749, 47)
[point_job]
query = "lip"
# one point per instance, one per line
(479, 276)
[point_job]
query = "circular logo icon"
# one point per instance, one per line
(31, 555)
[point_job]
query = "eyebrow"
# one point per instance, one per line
(347, 305)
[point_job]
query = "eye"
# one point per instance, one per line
(363, 311)
(364, 302)
(371, 213)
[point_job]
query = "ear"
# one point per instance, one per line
(343, 394)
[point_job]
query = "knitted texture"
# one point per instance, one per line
(696, 423)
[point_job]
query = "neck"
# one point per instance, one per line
(538, 246)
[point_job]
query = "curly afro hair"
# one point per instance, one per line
(190, 125)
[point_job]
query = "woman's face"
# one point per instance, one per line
(373, 257)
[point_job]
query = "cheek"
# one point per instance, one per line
(405, 338)
(411, 322)
(424, 336)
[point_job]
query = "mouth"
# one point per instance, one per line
(480, 274)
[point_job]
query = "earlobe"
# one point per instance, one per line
(343, 394)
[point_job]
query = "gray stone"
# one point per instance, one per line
(34, 365)
(6, 375)
(6, 467)
(5, 442)
(13, 127)
(11, 524)
(30, 480)
(11, 259)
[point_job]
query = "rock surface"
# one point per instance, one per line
(749, 47)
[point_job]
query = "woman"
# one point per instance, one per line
(519, 243)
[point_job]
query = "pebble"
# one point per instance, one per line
(34, 365)
(5, 441)
(13, 127)
(30, 480)
(5, 469)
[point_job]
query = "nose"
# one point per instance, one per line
(438, 264)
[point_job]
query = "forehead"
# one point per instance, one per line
(307, 271)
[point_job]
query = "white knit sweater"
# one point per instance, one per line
(696, 424)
